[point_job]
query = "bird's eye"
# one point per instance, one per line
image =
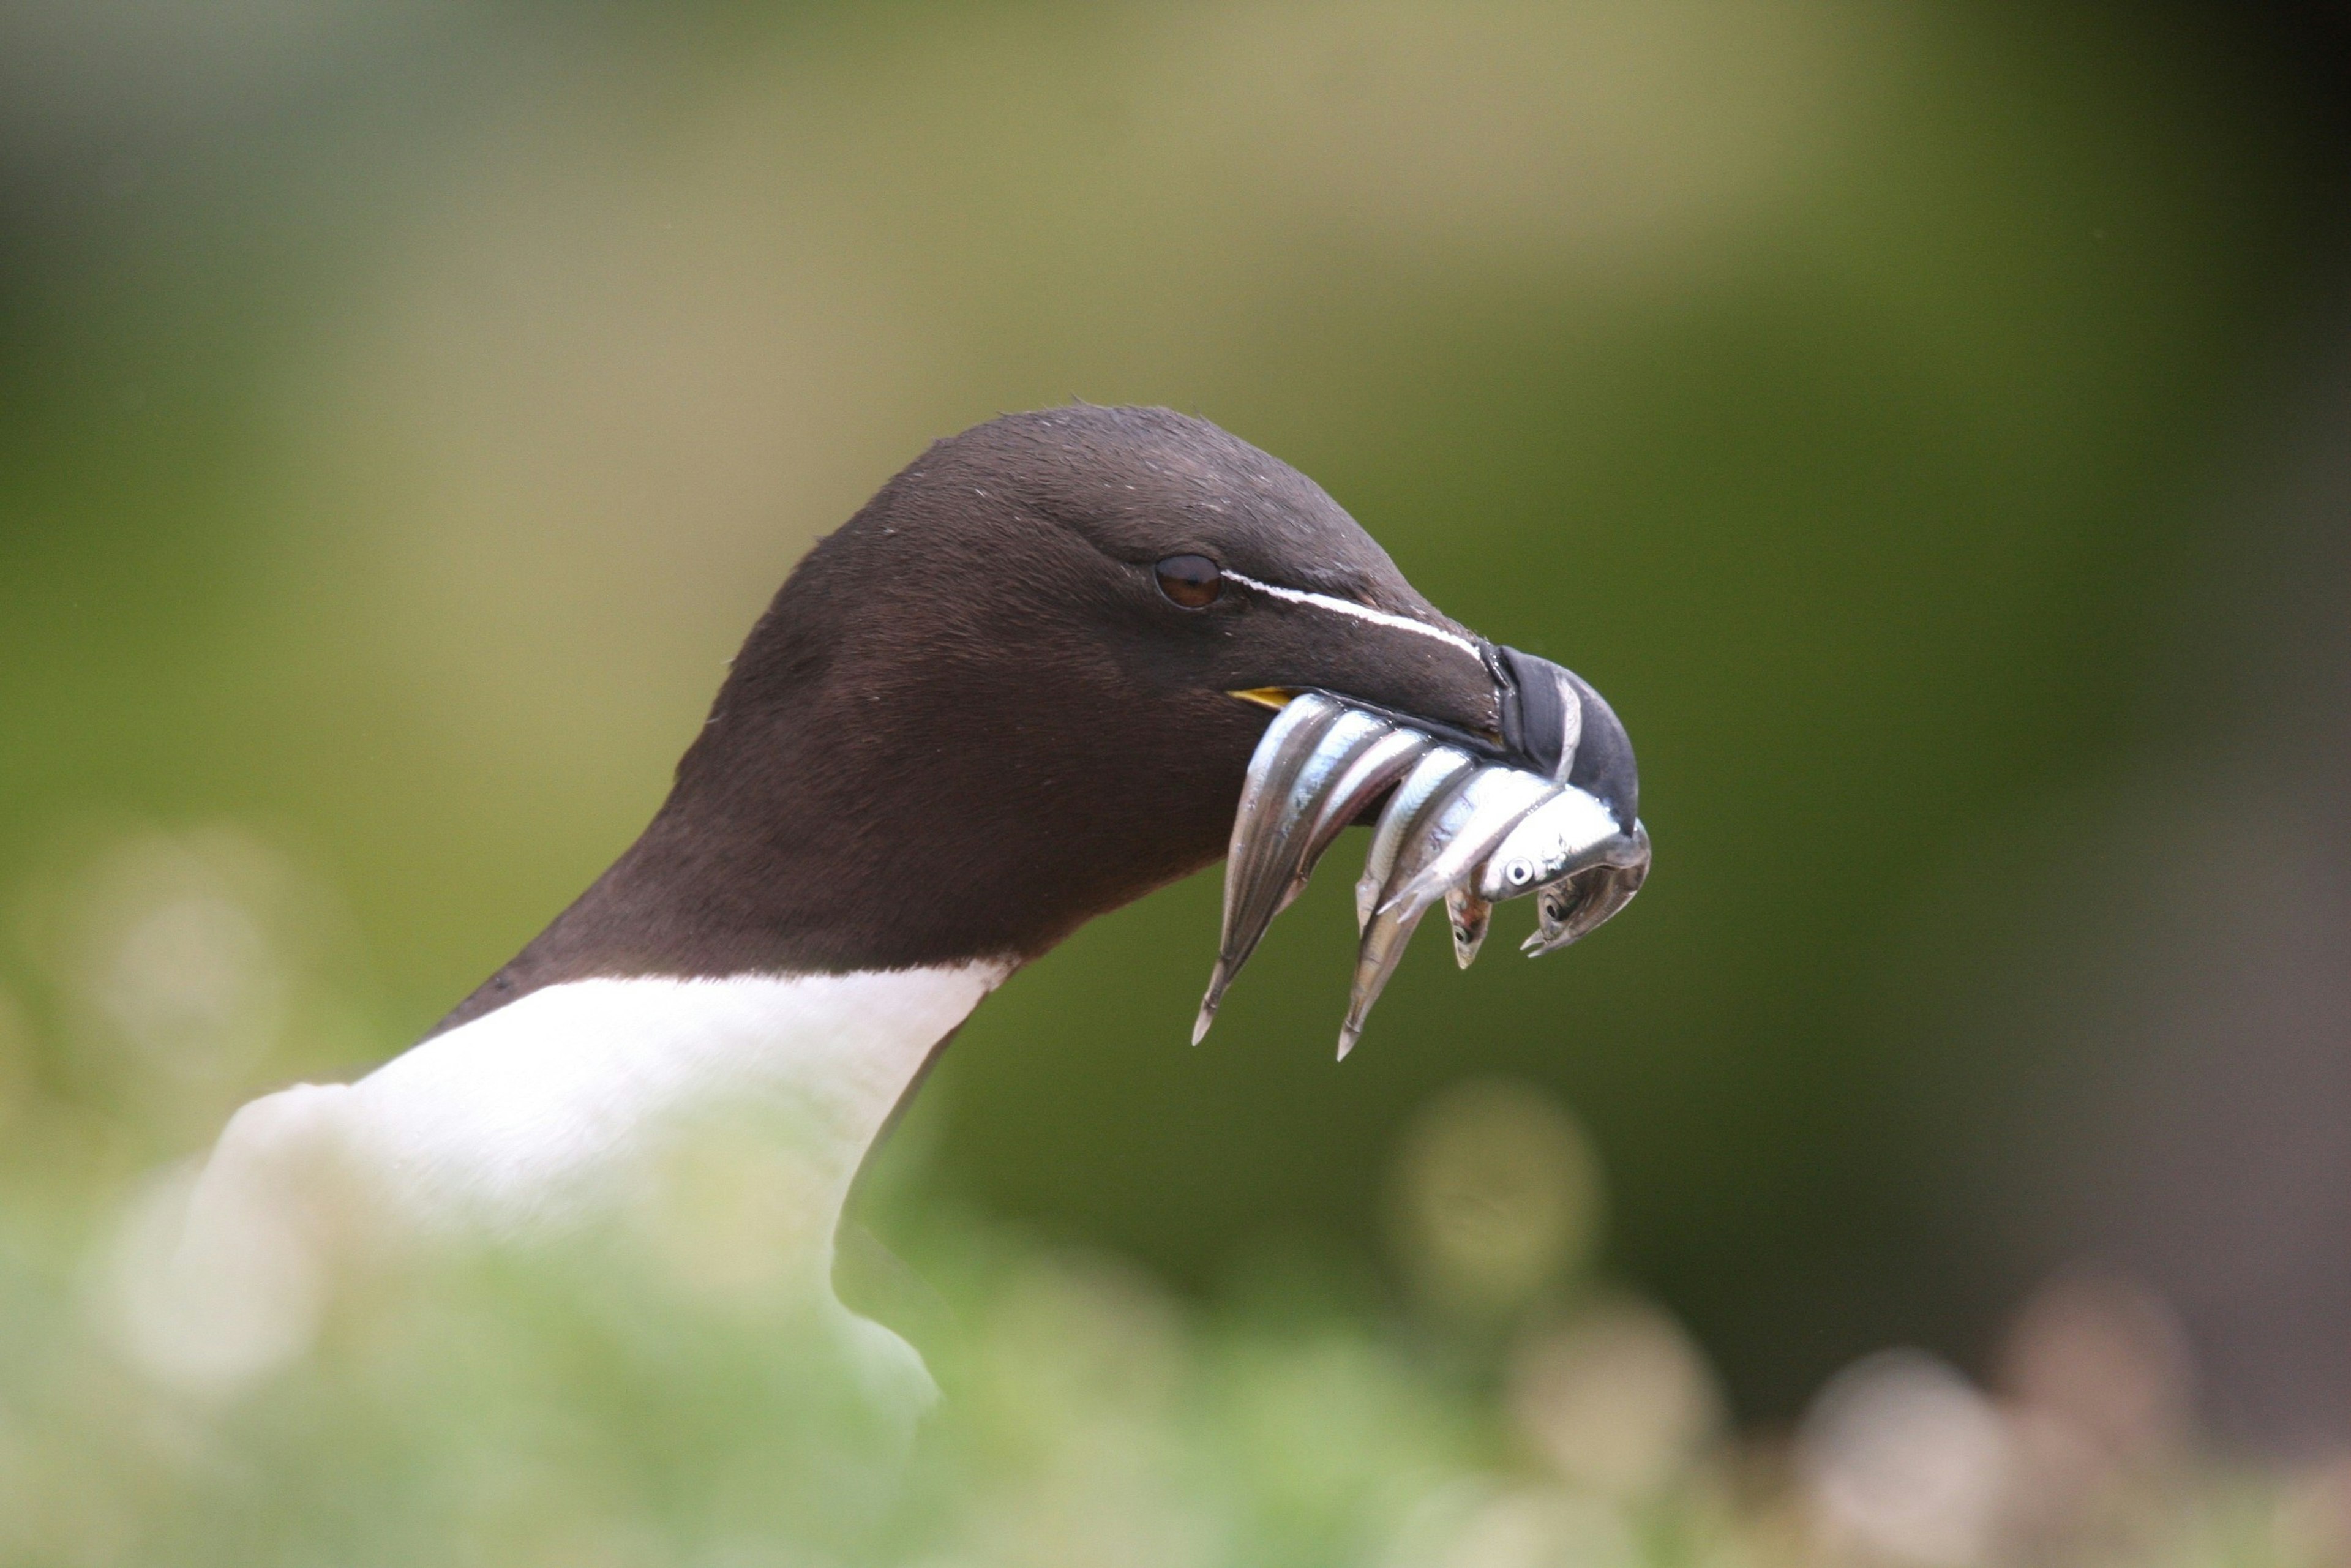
(1193, 581)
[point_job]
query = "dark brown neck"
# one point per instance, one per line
(809, 838)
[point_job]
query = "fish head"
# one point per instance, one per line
(1603, 881)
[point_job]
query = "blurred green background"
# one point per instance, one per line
(405, 408)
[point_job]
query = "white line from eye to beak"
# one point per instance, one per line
(1361, 612)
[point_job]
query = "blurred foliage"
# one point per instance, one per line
(646, 1394)
(404, 409)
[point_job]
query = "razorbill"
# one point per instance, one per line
(1020, 688)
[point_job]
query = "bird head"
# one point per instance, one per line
(1022, 688)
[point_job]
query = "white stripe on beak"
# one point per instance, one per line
(1361, 612)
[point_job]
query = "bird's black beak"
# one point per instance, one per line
(1554, 724)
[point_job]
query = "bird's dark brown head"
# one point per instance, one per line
(1007, 696)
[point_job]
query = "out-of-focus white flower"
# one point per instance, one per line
(1619, 1400)
(1497, 1192)
(1905, 1459)
(169, 945)
(184, 961)
(189, 977)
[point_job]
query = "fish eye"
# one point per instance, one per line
(1518, 874)
(1193, 581)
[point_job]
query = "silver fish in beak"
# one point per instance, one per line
(1288, 741)
(1546, 844)
(1602, 880)
(1583, 867)
(1308, 776)
(1439, 770)
(1470, 917)
(1379, 765)
(1496, 799)
(1455, 828)
(1452, 834)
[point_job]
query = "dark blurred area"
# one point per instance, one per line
(1931, 427)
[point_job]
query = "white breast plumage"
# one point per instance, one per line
(551, 1113)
